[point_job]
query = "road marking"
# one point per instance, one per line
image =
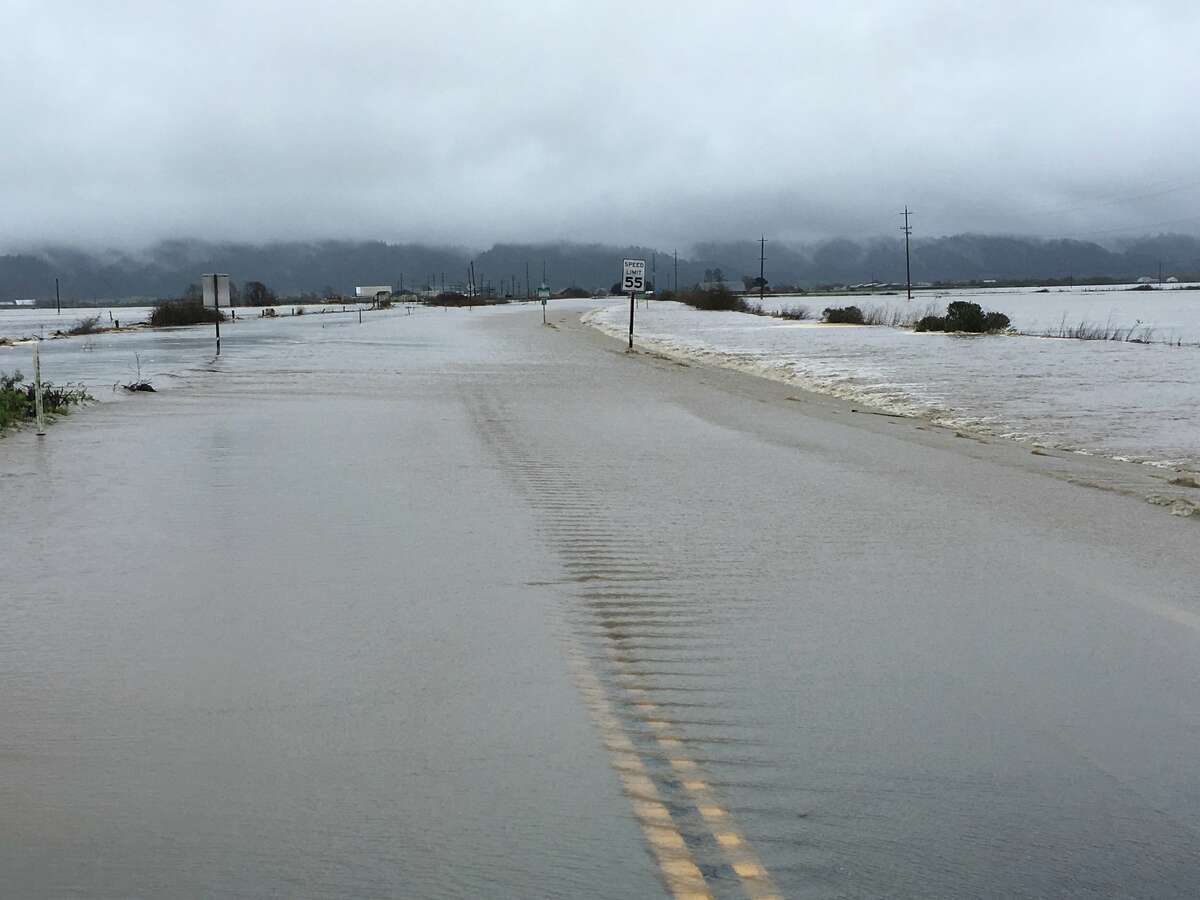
(679, 871)
(755, 882)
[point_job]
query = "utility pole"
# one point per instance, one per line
(907, 229)
(217, 309)
(58, 299)
(676, 252)
(762, 259)
(528, 292)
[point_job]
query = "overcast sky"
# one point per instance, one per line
(647, 122)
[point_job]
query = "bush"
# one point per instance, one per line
(930, 323)
(574, 293)
(169, 313)
(449, 298)
(843, 315)
(454, 298)
(717, 298)
(964, 317)
(794, 313)
(17, 402)
(86, 325)
(995, 321)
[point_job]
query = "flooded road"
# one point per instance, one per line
(455, 605)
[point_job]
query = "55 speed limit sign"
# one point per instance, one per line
(634, 278)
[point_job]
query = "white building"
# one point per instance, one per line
(373, 291)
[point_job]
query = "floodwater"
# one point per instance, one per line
(457, 605)
(168, 357)
(1125, 400)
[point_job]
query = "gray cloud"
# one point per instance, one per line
(644, 122)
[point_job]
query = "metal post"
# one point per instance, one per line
(37, 387)
(57, 299)
(217, 309)
(632, 295)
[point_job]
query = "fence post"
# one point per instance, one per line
(37, 387)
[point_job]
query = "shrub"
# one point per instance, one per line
(843, 315)
(17, 402)
(449, 298)
(716, 298)
(169, 313)
(930, 323)
(964, 316)
(454, 298)
(995, 321)
(794, 313)
(86, 325)
(574, 293)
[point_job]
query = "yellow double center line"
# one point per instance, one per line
(682, 876)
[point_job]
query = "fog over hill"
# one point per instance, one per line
(646, 123)
(167, 268)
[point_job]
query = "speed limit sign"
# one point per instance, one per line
(634, 278)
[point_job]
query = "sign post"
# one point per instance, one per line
(216, 291)
(633, 280)
(543, 293)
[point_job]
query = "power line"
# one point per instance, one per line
(1119, 199)
(1129, 228)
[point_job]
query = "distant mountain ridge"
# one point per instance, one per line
(165, 269)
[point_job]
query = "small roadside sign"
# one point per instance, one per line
(634, 277)
(216, 290)
(215, 293)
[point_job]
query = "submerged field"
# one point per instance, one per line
(1126, 400)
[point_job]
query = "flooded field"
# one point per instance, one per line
(1126, 400)
(170, 356)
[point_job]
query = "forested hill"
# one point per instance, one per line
(291, 268)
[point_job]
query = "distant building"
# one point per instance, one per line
(1172, 280)
(373, 291)
(1147, 279)
(12, 303)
